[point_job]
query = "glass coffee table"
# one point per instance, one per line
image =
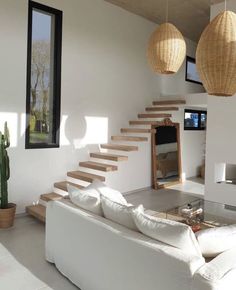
(200, 214)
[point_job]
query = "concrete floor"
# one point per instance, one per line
(25, 240)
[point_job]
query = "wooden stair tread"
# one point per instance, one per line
(146, 115)
(169, 102)
(51, 196)
(129, 138)
(107, 156)
(38, 211)
(140, 122)
(85, 176)
(137, 130)
(118, 147)
(98, 166)
(160, 109)
(63, 185)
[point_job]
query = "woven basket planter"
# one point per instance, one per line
(166, 49)
(216, 55)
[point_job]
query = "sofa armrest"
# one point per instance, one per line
(219, 274)
(220, 266)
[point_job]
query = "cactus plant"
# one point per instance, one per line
(4, 167)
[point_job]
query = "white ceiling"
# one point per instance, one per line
(189, 16)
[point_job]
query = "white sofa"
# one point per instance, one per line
(97, 254)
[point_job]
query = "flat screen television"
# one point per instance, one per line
(195, 120)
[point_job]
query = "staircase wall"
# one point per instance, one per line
(105, 82)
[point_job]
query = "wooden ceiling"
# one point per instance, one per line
(189, 16)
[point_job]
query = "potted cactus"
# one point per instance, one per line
(7, 210)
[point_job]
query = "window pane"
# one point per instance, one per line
(43, 99)
(203, 120)
(41, 125)
(191, 120)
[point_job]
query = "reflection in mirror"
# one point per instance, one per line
(167, 155)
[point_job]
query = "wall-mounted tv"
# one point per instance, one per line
(195, 120)
(191, 74)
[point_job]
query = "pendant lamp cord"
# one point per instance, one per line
(167, 10)
(225, 5)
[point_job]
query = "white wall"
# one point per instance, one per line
(221, 140)
(105, 76)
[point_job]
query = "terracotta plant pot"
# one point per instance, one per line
(7, 216)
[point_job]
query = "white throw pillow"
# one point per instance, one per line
(215, 241)
(87, 198)
(169, 232)
(120, 213)
(113, 194)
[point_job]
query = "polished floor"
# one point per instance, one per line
(25, 241)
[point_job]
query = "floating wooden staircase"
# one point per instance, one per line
(98, 166)
(102, 158)
(107, 156)
(136, 130)
(62, 185)
(118, 147)
(129, 138)
(88, 177)
(169, 102)
(161, 109)
(154, 116)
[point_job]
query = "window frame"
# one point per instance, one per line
(191, 60)
(199, 112)
(56, 76)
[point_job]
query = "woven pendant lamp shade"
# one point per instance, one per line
(216, 55)
(166, 49)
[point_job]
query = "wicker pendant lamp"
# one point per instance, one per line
(216, 55)
(166, 48)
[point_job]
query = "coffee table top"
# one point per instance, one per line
(199, 214)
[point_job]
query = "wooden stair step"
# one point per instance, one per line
(137, 130)
(169, 102)
(129, 138)
(85, 176)
(107, 156)
(118, 147)
(98, 166)
(38, 211)
(145, 115)
(140, 122)
(63, 185)
(51, 196)
(160, 109)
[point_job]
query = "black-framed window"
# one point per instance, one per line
(195, 120)
(191, 73)
(43, 77)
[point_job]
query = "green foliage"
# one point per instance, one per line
(4, 167)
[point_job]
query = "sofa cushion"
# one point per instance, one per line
(118, 212)
(87, 198)
(215, 241)
(170, 232)
(105, 190)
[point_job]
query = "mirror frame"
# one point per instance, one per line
(165, 122)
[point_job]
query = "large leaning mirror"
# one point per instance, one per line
(166, 154)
